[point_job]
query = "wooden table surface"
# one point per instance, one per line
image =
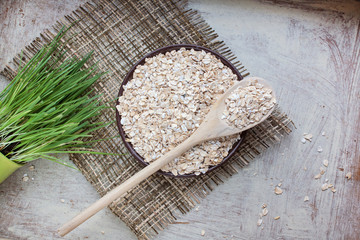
(311, 54)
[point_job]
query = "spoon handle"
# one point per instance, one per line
(126, 186)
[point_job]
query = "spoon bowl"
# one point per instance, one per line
(220, 128)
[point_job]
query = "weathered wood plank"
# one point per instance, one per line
(311, 53)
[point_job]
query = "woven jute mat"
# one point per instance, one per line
(120, 33)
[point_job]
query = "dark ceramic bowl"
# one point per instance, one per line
(129, 76)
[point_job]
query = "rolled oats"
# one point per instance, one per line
(25, 178)
(326, 162)
(317, 176)
(264, 212)
(248, 105)
(308, 136)
(278, 190)
(166, 101)
(325, 186)
(319, 149)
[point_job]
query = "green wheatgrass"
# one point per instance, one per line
(47, 108)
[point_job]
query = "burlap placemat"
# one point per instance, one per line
(120, 33)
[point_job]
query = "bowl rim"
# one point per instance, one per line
(129, 76)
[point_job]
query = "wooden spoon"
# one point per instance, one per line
(211, 127)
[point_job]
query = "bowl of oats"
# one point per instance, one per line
(163, 100)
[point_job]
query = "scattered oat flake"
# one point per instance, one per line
(197, 208)
(303, 140)
(264, 205)
(330, 185)
(317, 176)
(102, 232)
(325, 186)
(308, 136)
(32, 168)
(306, 198)
(265, 212)
(279, 185)
(277, 217)
(25, 178)
(333, 189)
(62, 200)
(323, 134)
(254, 173)
(259, 222)
(348, 175)
(326, 162)
(319, 149)
(305, 168)
(202, 232)
(322, 171)
(278, 190)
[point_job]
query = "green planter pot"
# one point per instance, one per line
(7, 167)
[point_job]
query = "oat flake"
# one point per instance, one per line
(319, 149)
(265, 212)
(325, 186)
(308, 136)
(317, 176)
(278, 190)
(326, 162)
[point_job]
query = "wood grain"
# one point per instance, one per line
(310, 51)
